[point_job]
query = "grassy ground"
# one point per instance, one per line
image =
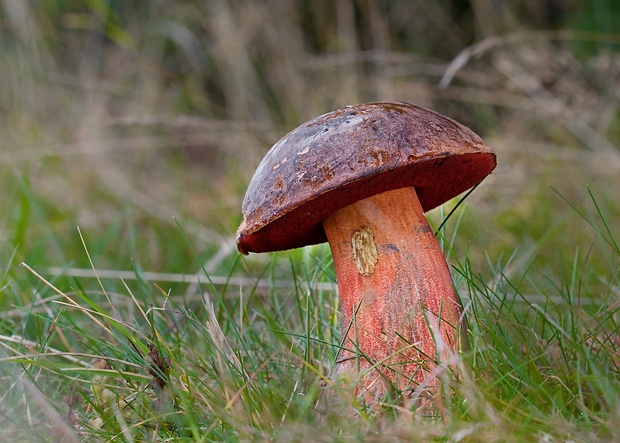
(129, 132)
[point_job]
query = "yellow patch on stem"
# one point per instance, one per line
(365, 254)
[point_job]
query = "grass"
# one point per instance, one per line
(129, 132)
(106, 358)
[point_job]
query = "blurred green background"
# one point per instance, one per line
(124, 117)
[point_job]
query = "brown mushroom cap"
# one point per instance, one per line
(351, 154)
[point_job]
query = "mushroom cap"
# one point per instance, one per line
(348, 155)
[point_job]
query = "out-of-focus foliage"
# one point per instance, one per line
(166, 107)
(256, 60)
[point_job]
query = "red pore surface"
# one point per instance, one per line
(348, 155)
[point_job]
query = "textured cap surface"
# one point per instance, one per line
(350, 154)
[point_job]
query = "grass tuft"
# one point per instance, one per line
(252, 361)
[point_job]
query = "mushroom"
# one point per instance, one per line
(361, 178)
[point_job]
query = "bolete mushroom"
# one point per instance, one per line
(361, 178)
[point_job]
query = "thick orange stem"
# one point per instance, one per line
(398, 306)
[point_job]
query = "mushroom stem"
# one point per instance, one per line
(398, 306)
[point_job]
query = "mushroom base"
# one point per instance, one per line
(400, 313)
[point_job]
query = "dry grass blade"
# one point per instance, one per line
(92, 314)
(60, 429)
(47, 350)
(199, 278)
(226, 357)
